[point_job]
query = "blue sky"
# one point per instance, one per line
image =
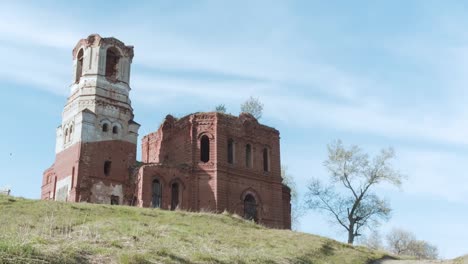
(370, 73)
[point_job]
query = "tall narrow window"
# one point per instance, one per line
(73, 177)
(105, 128)
(156, 194)
(205, 149)
(250, 208)
(230, 149)
(112, 61)
(266, 160)
(79, 65)
(115, 130)
(65, 138)
(248, 156)
(174, 196)
(70, 134)
(107, 167)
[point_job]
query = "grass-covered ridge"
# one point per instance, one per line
(52, 232)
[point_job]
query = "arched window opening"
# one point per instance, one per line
(250, 208)
(79, 66)
(248, 156)
(115, 130)
(112, 61)
(230, 154)
(205, 149)
(157, 194)
(105, 127)
(266, 160)
(174, 196)
(107, 167)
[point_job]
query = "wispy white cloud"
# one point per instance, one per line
(435, 174)
(336, 98)
(371, 118)
(35, 26)
(37, 67)
(368, 117)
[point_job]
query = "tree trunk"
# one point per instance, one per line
(351, 234)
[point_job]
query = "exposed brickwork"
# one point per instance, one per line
(65, 161)
(84, 163)
(218, 185)
(201, 162)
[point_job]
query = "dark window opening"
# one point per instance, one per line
(230, 153)
(112, 60)
(114, 200)
(250, 208)
(133, 201)
(174, 196)
(107, 167)
(66, 136)
(248, 156)
(115, 130)
(266, 161)
(73, 177)
(157, 195)
(105, 128)
(79, 66)
(70, 134)
(205, 149)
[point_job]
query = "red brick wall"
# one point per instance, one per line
(122, 154)
(287, 207)
(170, 144)
(65, 161)
(85, 163)
(235, 179)
(166, 176)
(217, 185)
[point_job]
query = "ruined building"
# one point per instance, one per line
(204, 161)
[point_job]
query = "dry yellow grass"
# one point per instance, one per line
(52, 232)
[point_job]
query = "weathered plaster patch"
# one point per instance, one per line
(62, 190)
(101, 193)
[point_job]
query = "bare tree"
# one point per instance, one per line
(398, 241)
(297, 210)
(349, 198)
(373, 240)
(253, 106)
(221, 108)
(401, 242)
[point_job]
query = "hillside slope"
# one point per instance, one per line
(52, 232)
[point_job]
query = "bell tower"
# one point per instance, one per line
(96, 141)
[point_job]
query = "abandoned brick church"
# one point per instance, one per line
(203, 161)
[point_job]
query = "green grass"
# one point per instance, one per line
(53, 232)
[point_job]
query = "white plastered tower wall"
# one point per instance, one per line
(96, 99)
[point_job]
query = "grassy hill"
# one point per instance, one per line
(52, 232)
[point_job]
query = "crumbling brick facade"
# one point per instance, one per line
(201, 162)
